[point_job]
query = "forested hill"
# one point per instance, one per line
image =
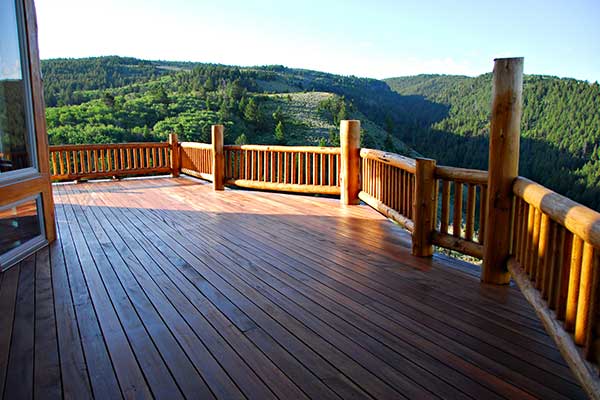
(560, 131)
(114, 99)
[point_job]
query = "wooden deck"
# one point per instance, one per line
(164, 288)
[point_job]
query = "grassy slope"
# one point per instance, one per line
(306, 125)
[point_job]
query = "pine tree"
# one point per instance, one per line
(279, 133)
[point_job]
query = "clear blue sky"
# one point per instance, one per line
(365, 38)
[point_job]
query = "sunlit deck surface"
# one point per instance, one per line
(164, 288)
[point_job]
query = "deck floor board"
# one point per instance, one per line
(163, 288)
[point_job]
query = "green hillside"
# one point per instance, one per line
(560, 130)
(114, 99)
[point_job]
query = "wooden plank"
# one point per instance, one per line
(182, 246)
(19, 372)
(8, 295)
(161, 291)
(47, 378)
(103, 380)
(364, 295)
(159, 379)
(314, 388)
(75, 380)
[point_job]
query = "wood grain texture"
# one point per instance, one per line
(263, 295)
(507, 99)
(350, 158)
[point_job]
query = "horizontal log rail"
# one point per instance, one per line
(555, 259)
(461, 199)
(387, 185)
(196, 160)
(93, 161)
(300, 169)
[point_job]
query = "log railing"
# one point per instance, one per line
(300, 169)
(387, 185)
(91, 161)
(196, 160)
(462, 196)
(555, 260)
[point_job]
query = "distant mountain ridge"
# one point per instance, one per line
(439, 116)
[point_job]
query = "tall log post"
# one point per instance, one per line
(175, 167)
(424, 207)
(218, 160)
(507, 99)
(350, 163)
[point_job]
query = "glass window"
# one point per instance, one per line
(15, 100)
(19, 224)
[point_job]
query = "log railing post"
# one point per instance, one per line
(507, 98)
(175, 167)
(218, 161)
(424, 206)
(350, 161)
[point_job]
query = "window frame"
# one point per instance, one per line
(11, 177)
(18, 253)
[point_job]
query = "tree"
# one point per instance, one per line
(389, 145)
(242, 139)
(278, 115)
(279, 133)
(108, 99)
(342, 114)
(334, 137)
(251, 111)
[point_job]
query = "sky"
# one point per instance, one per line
(10, 61)
(367, 38)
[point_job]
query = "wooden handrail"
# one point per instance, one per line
(196, 145)
(71, 147)
(555, 260)
(388, 184)
(94, 161)
(578, 219)
(394, 160)
(463, 175)
(284, 149)
(196, 160)
(300, 169)
(466, 239)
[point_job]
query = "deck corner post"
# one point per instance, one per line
(175, 168)
(218, 160)
(507, 100)
(350, 162)
(424, 207)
